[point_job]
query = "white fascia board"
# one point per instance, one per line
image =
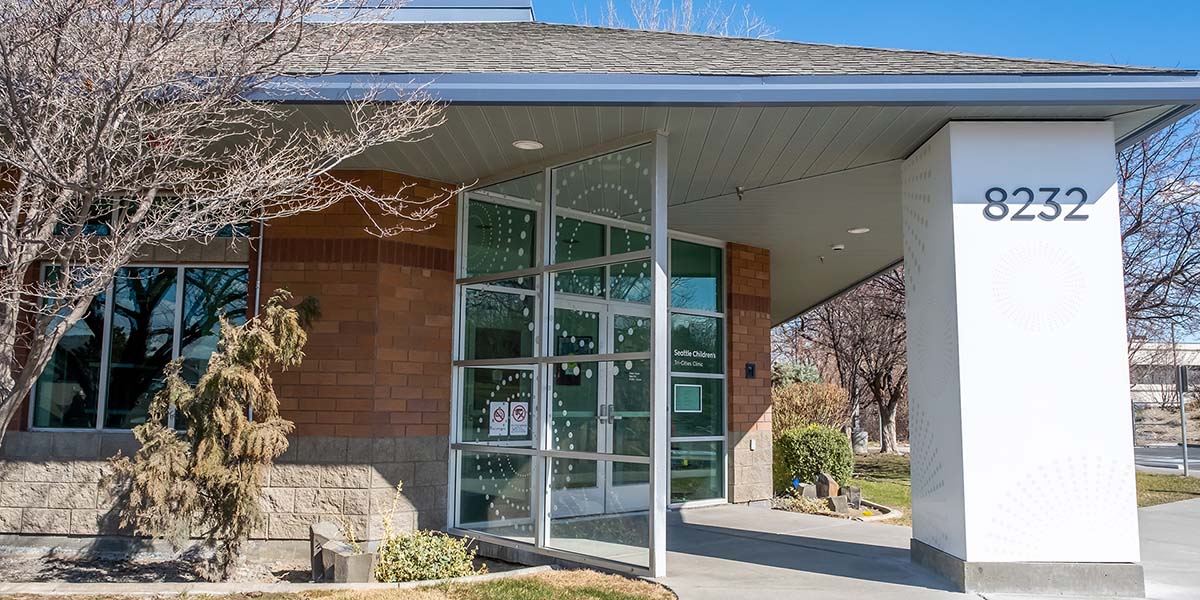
(616, 89)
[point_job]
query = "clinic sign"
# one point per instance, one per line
(695, 344)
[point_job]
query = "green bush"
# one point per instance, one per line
(806, 452)
(423, 555)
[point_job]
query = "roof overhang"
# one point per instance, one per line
(815, 155)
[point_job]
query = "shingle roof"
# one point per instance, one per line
(532, 47)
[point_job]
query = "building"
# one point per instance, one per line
(1154, 372)
(583, 343)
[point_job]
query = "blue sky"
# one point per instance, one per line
(1140, 32)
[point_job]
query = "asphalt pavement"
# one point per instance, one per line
(1167, 459)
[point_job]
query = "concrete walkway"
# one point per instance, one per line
(1171, 550)
(740, 552)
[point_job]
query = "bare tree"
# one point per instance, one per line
(832, 328)
(1159, 179)
(130, 124)
(883, 365)
(714, 17)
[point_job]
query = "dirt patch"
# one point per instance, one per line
(1160, 425)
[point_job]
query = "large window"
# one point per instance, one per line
(110, 364)
(697, 373)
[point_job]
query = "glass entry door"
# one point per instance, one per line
(559, 278)
(601, 407)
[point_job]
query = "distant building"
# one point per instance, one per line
(1152, 371)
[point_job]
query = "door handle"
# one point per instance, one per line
(602, 413)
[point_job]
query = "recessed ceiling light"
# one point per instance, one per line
(528, 145)
(838, 247)
(858, 230)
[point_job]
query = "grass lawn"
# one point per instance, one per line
(884, 479)
(1160, 489)
(554, 585)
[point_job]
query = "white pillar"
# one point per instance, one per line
(660, 346)
(1022, 460)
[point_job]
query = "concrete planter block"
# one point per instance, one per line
(853, 496)
(350, 566)
(334, 560)
(838, 504)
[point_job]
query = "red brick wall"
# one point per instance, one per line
(378, 360)
(749, 270)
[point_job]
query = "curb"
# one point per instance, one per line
(891, 513)
(220, 588)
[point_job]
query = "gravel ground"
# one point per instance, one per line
(72, 569)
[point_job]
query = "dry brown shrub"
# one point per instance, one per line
(801, 404)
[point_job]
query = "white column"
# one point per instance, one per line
(1022, 459)
(660, 346)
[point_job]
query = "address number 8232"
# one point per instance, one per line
(998, 207)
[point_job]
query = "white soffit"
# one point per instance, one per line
(801, 222)
(810, 173)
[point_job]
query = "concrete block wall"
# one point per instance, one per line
(749, 306)
(54, 484)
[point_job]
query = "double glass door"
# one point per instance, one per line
(600, 406)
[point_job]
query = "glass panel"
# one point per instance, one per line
(586, 519)
(499, 238)
(695, 276)
(631, 333)
(141, 343)
(579, 240)
(623, 240)
(498, 324)
(574, 404)
(576, 331)
(68, 389)
(697, 407)
(696, 344)
(494, 495)
(208, 296)
(615, 186)
(696, 471)
(497, 405)
(629, 282)
(631, 408)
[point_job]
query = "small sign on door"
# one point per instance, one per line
(689, 398)
(518, 419)
(498, 419)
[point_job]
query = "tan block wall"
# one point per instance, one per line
(52, 484)
(749, 305)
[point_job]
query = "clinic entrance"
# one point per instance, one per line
(589, 364)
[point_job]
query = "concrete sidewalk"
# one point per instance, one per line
(731, 551)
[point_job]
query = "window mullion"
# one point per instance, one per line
(177, 330)
(105, 351)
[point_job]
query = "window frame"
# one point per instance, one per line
(723, 376)
(106, 340)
